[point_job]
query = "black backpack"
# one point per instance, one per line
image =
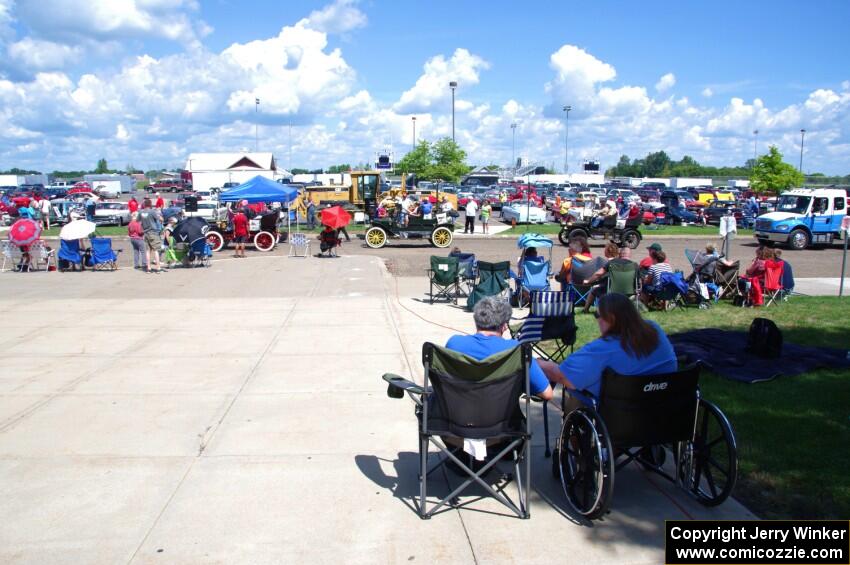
(764, 339)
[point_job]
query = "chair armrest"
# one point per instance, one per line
(531, 397)
(583, 395)
(397, 386)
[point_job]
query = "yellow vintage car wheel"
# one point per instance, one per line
(376, 238)
(441, 237)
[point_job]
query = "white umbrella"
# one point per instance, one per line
(78, 229)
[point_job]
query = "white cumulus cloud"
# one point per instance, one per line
(666, 82)
(707, 92)
(339, 17)
(462, 67)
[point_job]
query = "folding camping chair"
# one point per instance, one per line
(551, 319)
(40, 253)
(477, 402)
(492, 281)
(443, 275)
(533, 278)
(103, 257)
(773, 289)
(69, 252)
(726, 279)
(12, 255)
(298, 241)
(672, 293)
(624, 278)
(580, 271)
(468, 269)
(200, 253)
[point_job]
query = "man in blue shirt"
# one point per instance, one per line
(426, 207)
(491, 315)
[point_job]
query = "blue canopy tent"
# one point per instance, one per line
(261, 189)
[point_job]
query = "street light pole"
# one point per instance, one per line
(755, 146)
(256, 124)
(290, 146)
(453, 86)
(802, 142)
(413, 119)
(513, 147)
(567, 141)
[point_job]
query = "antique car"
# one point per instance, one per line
(621, 232)
(438, 229)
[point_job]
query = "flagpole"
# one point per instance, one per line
(256, 125)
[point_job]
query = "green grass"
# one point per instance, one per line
(659, 231)
(793, 433)
(108, 231)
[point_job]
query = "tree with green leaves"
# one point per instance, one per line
(443, 160)
(102, 166)
(343, 168)
(772, 174)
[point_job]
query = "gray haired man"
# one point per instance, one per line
(491, 315)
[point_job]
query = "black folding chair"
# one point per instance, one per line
(550, 329)
(468, 268)
(445, 277)
(472, 399)
(493, 280)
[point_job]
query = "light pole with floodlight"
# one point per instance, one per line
(567, 141)
(413, 119)
(453, 86)
(513, 147)
(755, 146)
(802, 142)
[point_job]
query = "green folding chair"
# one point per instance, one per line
(464, 398)
(444, 276)
(493, 280)
(623, 278)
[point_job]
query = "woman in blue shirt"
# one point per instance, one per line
(629, 345)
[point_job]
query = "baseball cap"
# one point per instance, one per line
(655, 247)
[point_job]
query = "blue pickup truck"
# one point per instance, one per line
(805, 217)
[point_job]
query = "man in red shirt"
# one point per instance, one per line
(240, 232)
(133, 205)
(649, 260)
(160, 203)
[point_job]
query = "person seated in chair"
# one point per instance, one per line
(579, 252)
(597, 221)
(787, 271)
(491, 315)
(328, 240)
(628, 345)
(612, 254)
(652, 281)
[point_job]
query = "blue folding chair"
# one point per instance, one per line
(468, 271)
(200, 253)
(69, 253)
(534, 277)
(103, 257)
(579, 272)
(550, 319)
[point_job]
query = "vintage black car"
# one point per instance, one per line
(720, 208)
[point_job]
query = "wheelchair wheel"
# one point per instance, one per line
(585, 458)
(708, 465)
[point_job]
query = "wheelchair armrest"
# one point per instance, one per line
(583, 395)
(397, 386)
(533, 398)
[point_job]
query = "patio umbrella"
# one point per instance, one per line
(335, 217)
(78, 229)
(190, 230)
(24, 232)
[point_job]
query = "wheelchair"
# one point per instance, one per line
(644, 419)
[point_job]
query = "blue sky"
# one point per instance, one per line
(147, 81)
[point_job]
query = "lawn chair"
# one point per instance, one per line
(551, 320)
(623, 278)
(69, 252)
(534, 278)
(103, 257)
(773, 289)
(445, 277)
(672, 293)
(492, 281)
(703, 265)
(297, 242)
(726, 279)
(41, 254)
(468, 269)
(200, 253)
(12, 255)
(581, 271)
(479, 402)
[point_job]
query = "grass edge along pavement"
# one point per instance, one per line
(792, 432)
(659, 231)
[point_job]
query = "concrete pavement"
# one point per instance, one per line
(236, 415)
